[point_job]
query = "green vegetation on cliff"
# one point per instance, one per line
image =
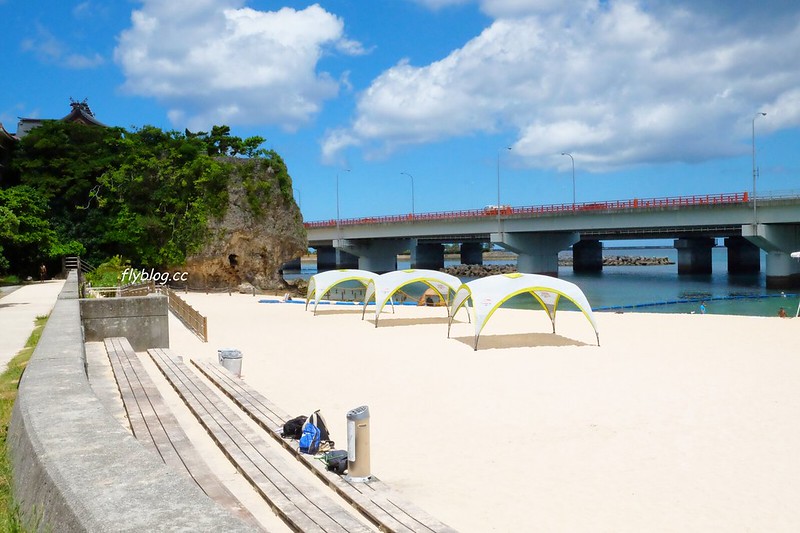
(146, 195)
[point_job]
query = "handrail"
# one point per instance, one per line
(187, 314)
(506, 211)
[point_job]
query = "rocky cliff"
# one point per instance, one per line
(261, 230)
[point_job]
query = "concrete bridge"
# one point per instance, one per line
(538, 233)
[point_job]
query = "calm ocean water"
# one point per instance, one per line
(659, 289)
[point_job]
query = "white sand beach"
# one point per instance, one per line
(675, 423)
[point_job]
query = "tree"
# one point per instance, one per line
(26, 237)
(145, 194)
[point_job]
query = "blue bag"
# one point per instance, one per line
(309, 440)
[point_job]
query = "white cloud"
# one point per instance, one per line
(220, 62)
(47, 48)
(439, 4)
(612, 82)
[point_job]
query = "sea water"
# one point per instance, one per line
(657, 288)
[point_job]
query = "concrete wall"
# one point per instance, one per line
(144, 320)
(75, 468)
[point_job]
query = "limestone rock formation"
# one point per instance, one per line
(262, 229)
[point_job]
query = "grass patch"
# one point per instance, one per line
(9, 280)
(9, 382)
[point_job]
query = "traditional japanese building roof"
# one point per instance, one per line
(6, 136)
(7, 141)
(80, 113)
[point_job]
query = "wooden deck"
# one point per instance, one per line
(375, 500)
(156, 427)
(302, 506)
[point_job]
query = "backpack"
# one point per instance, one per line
(336, 461)
(315, 436)
(309, 440)
(317, 420)
(293, 429)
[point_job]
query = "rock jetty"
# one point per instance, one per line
(479, 271)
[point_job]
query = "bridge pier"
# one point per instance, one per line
(587, 256)
(295, 265)
(471, 253)
(330, 258)
(779, 240)
(427, 255)
(537, 253)
(375, 255)
(694, 255)
(744, 257)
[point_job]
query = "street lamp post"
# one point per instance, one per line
(412, 192)
(338, 230)
(498, 185)
(755, 214)
(338, 227)
(573, 177)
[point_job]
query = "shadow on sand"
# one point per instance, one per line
(353, 311)
(388, 322)
(519, 340)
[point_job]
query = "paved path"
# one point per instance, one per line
(18, 310)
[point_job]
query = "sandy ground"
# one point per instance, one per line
(675, 423)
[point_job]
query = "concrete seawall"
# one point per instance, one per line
(75, 468)
(143, 320)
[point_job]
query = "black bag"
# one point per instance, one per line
(317, 420)
(336, 461)
(293, 429)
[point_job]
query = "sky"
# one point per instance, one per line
(445, 98)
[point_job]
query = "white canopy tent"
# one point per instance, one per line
(383, 287)
(796, 255)
(489, 293)
(320, 284)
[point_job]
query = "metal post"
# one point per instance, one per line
(573, 177)
(338, 226)
(412, 192)
(498, 188)
(755, 213)
(358, 454)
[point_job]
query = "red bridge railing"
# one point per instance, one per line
(492, 211)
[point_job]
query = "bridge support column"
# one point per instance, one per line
(537, 253)
(471, 253)
(587, 256)
(694, 255)
(427, 255)
(779, 240)
(295, 265)
(376, 255)
(330, 258)
(744, 257)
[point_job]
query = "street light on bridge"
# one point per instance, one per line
(755, 171)
(412, 192)
(498, 184)
(337, 200)
(573, 177)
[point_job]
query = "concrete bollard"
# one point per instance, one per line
(358, 467)
(231, 360)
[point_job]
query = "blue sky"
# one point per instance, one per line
(652, 98)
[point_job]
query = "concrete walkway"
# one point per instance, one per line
(18, 310)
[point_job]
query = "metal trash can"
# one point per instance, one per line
(231, 360)
(358, 468)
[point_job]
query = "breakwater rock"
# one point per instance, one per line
(627, 260)
(480, 271)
